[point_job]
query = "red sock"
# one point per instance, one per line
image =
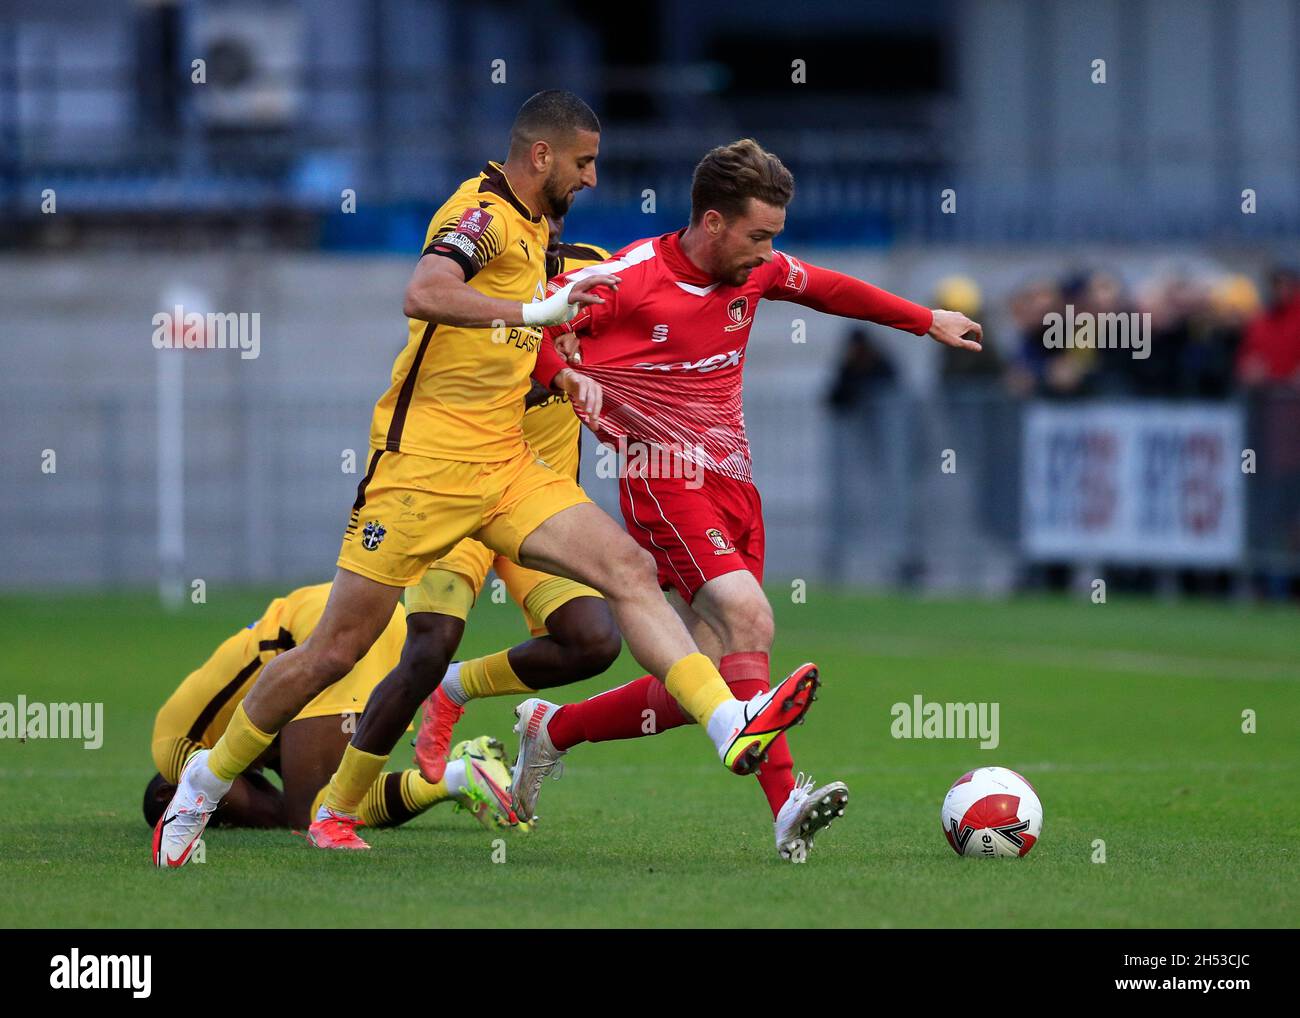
(748, 675)
(617, 714)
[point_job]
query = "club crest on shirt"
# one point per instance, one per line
(719, 540)
(738, 312)
(372, 535)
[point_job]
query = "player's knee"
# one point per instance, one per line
(598, 647)
(632, 567)
(333, 661)
(428, 649)
(586, 629)
(749, 625)
(604, 648)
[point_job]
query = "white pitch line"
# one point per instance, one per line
(1171, 665)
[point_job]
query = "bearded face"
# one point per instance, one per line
(572, 168)
(557, 194)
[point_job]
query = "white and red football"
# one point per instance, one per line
(992, 812)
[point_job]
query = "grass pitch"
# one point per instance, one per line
(1126, 716)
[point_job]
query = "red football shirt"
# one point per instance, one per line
(668, 346)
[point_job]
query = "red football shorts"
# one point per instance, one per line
(694, 531)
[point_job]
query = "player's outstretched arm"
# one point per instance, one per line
(837, 294)
(438, 293)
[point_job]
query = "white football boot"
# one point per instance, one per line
(181, 825)
(537, 758)
(806, 812)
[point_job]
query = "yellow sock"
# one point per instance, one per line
(396, 796)
(318, 802)
(419, 794)
(697, 687)
(241, 744)
(356, 774)
(490, 676)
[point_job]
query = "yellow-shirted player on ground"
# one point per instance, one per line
(310, 746)
(575, 636)
(449, 461)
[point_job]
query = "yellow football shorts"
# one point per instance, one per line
(412, 510)
(454, 582)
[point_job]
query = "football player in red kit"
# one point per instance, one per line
(667, 348)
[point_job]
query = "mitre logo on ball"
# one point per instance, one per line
(992, 813)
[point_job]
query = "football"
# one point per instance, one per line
(992, 812)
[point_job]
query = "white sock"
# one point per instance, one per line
(201, 779)
(451, 686)
(453, 778)
(724, 720)
(323, 812)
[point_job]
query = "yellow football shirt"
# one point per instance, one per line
(550, 425)
(457, 393)
(200, 709)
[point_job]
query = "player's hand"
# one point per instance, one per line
(952, 328)
(569, 347)
(580, 292)
(562, 305)
(584, 393)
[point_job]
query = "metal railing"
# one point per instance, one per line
(857, 497)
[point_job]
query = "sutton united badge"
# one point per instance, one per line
(373, 535)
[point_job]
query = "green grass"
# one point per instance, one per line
(1126, 716)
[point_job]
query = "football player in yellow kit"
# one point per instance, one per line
(574, 634)
(309, 748)
(449, 461)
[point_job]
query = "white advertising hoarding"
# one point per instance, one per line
(1133, 482)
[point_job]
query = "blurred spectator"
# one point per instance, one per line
(1068, 370)
(868, 444)
(975, 418)
(1270, 360)
(863, 372)
(961, 293)
(1176, 303)
(1105, 371)
(1206, 367)
(1270, 351)
(1029, 304)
